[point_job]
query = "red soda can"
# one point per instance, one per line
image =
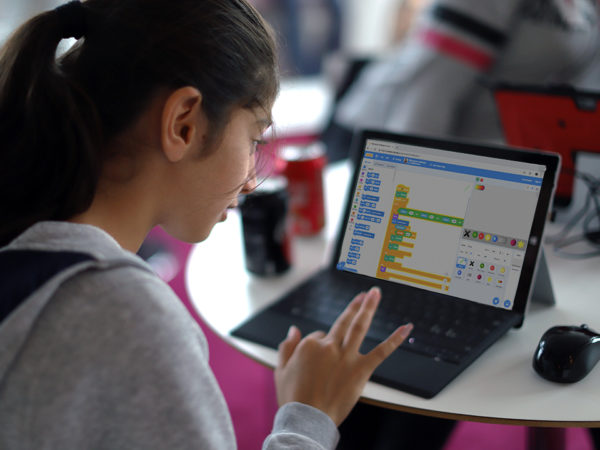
(303, 168)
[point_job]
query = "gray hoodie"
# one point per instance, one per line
(105, 356)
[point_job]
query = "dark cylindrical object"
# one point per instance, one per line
(265, 228)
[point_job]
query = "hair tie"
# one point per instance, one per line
(71, 17)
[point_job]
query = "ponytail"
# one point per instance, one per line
(49, 132)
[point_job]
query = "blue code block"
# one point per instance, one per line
(364, 234)
(371, 198)
(373, 212)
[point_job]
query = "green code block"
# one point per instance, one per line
(393, 246)
(389, 258)
(396, 238)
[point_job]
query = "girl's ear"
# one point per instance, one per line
(182, 122)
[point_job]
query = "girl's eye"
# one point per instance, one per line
(257, 144)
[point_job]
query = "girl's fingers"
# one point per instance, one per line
(340, 327)
(387, 347)
(362, 320)
(288, 345)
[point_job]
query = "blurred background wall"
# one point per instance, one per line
(14, 12)
(310, 30)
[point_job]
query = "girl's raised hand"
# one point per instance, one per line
(327, 371)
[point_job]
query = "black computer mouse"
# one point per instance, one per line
(566, 354)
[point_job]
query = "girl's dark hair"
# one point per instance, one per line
(56, 115)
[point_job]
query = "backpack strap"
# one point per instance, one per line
(24, 271)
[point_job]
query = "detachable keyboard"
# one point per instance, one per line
(445, 328)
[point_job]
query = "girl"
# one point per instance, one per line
(151, 118)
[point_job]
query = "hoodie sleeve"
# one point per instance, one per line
(299, 426)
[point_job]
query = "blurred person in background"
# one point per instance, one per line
(436, 80)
